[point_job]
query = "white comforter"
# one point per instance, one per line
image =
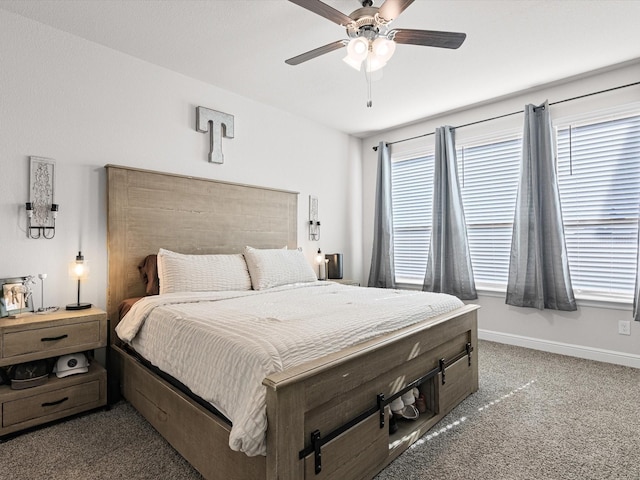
(223, 344)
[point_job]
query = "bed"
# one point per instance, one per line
(327, 417)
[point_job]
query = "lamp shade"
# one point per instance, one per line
(383, 48)
(358, 48)
(352, 63)
(357, 51)
(373, 63)
(79, 268)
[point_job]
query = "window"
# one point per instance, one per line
(599, 181)
(489, 182)
(488, 176)
(411, 197)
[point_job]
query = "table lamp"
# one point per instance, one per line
(80, 270)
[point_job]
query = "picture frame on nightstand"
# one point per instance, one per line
(15, 297)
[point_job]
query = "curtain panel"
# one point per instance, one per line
(539, 268)
(449, 268)
(382, 272)
(636, 296)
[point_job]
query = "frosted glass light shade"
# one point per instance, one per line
(79, 268)
(383, 48)
(358, 48)
(352, 63)
(374, 63)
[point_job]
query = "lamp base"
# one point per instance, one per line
(78, 306)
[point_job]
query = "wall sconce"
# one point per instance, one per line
(80, 270)
(314, 230)
(314, 223)
(41, 211)
(42, 229)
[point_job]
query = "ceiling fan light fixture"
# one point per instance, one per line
(374, 63)
(358, 48)
(371, 42)
(383, 48)
(357, 64)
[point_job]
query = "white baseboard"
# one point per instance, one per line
(589, 353)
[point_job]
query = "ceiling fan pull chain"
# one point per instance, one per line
(367, 74)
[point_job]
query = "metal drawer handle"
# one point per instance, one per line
(57, 402)
(53, 339)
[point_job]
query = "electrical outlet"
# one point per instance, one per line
(624, 327)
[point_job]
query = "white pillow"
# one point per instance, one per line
(273, 267)
(178, 272)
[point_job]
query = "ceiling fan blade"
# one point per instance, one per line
(303, 57)
(427, 38)
(324, 10)
(390, 9)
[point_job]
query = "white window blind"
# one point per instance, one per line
(411, 197)
(489, 181)
(599, 181)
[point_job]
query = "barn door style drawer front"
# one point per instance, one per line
(344, 456)
(51, 339)
(458, 383)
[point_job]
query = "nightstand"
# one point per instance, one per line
(45, 336)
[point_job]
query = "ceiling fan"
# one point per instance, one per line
(371, 43)
(368, 25)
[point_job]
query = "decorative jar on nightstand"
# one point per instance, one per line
(50, 336)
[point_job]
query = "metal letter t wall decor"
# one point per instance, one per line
(211, 121)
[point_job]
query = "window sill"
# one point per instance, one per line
(582, 299)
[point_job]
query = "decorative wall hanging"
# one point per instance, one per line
(41, 211)
(218, 124)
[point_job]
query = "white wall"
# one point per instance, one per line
(591, 332)
(86, 106)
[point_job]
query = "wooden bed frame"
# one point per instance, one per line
(148, 210)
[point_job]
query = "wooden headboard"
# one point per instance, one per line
(149, 210)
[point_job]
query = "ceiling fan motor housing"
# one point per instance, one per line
(366, 22)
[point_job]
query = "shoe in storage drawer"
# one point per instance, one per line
(84, 335)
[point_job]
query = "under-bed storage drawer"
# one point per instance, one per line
(458, 383)
(363, 447)
(185, 424)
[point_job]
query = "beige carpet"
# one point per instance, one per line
(536, 416)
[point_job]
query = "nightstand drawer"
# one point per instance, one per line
(46, 340)
(55, 403)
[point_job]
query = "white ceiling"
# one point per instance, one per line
(241, 45)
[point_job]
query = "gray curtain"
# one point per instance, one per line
(636, 297)
(539, 268)
(382, 273)
(449, 267)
